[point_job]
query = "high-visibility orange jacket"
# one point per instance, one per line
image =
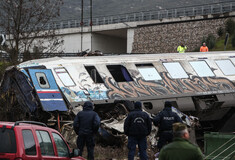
(204, 49)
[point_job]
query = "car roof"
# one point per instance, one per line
(25, 124)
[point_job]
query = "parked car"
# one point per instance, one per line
(27, 140)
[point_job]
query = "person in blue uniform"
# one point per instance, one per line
(137, 126)
(86, 124)
(164, 121)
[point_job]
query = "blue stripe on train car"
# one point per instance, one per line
(49, 94)
(53, 105)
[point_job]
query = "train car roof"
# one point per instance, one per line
(129, 58)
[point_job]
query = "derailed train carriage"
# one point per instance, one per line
(53, 89)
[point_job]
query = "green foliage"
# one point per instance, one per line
(210, 41)
(230, 26)
(219, 46)
(220, 31)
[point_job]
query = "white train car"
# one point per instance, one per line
(200, 84)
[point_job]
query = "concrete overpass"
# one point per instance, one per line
(116, 34)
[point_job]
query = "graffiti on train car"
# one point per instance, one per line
(141, 87)
(166, 86)
(77, 96)
(86, 90)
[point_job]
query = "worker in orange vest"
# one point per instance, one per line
(204, 48)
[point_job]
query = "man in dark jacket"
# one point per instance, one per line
(180, 148)
(164, 121)
(86, 124)
(137, 126)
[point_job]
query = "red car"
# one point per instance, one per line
(27, 140)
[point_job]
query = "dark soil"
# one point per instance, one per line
(116, 153)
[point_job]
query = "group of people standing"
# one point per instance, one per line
(137, 127)
(182, 48)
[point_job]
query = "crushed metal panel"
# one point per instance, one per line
(69, 134)
(186, 118)
(114, 124)
(17, 82)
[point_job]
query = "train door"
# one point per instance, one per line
(47, 90)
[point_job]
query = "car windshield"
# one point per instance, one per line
(7, 140)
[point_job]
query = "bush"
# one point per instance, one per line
(230, 26)
(210, 41)
(220, 31)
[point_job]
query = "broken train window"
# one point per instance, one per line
(64, 77)
(94, 74)
(119, 73)
(42, 80)
(148, 72)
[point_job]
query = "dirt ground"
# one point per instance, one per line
(116, 153)
(103, 151)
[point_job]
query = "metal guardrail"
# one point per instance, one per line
(218, 8)
(189, 11)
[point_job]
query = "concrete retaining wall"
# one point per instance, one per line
(164, 38)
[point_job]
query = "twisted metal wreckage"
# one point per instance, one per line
(53, 90)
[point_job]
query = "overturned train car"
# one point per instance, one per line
(53, 89)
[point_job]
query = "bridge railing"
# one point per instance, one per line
(190, 11)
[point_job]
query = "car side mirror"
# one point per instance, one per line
(75, 153)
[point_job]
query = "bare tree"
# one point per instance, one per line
(26, 23)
